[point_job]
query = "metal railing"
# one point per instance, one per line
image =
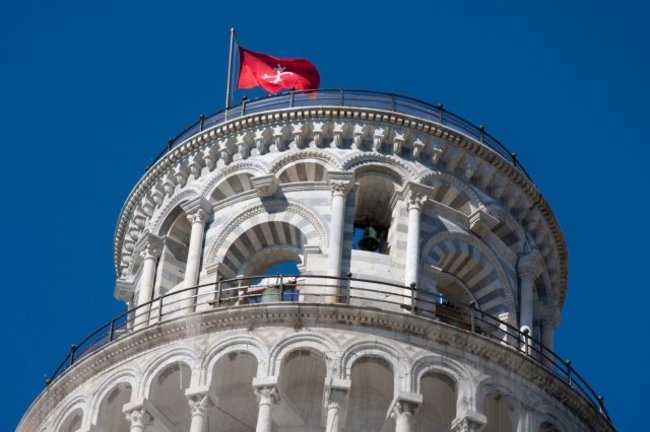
(348, 98)
(315, 289)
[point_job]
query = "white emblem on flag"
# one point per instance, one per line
(279, 73)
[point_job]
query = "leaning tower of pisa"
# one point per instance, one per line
(329, 261)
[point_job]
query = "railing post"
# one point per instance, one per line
(342, 97)
(601, 405)
(111, 330)
(347, 295)
(239, 291)
(471, 317)
(73, 348)
(413, 286)
(441, 110)
(569, 371)
(481, 130)
(393, 104)
(218, 301)
(160, 308)
(244, 100)
(170, 143)
(291, 95)
(201, 120)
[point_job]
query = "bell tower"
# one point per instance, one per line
(330, 261)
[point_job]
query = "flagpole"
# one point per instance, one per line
(231, 55)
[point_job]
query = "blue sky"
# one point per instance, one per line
(92, 89)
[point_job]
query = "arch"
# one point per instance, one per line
(247, 344)
(157, 221)
(232, 185)
(451, 191)
(427, 363)
(392, 163)
(303, 171)
(372, 392)
(473, 263)
(174, 356)
(547, 413)
(78, 406)
(325, 159)
(314, 342)
(109, 412)
(126, 376)
(291, 213)
(356, 349)
(249, 166)
(488, 387)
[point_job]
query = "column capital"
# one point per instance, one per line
(138, 416)
(340, 182)
(199, 208)
(149, 245)
(531, 264)
(265, 389)
(406, 404)
(265, 185)
(415, 195)
(336, 391)
(469, 423)
(200, 404)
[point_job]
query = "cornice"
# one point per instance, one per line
(426, 140)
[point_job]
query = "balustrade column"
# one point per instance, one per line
(200, 406)
(340, 184)
(150, 249)
(267, 396)
(527, 269)
(198, 212)
(414, 203)
(138, 419)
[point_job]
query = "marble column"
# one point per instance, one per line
(340, 184)
(267, 396)
(337, 393)
(404, 414)
(414, 203)
(200, 406)
(150, 247)
(138, 419)
(198, 211)
(528, 270)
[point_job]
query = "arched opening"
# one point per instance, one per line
(373, 213)
(110, 416)
(371, 394)
(235, 404)
(173, 259)
(438, 407)
(466, 273)
(302, 382)
(167, 393)
(270, 248)
(499, 411)
(72, 422)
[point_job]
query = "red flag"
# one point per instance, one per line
(274, 74)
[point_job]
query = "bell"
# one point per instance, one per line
(369, 240)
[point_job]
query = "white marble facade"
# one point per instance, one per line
(455, 220)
